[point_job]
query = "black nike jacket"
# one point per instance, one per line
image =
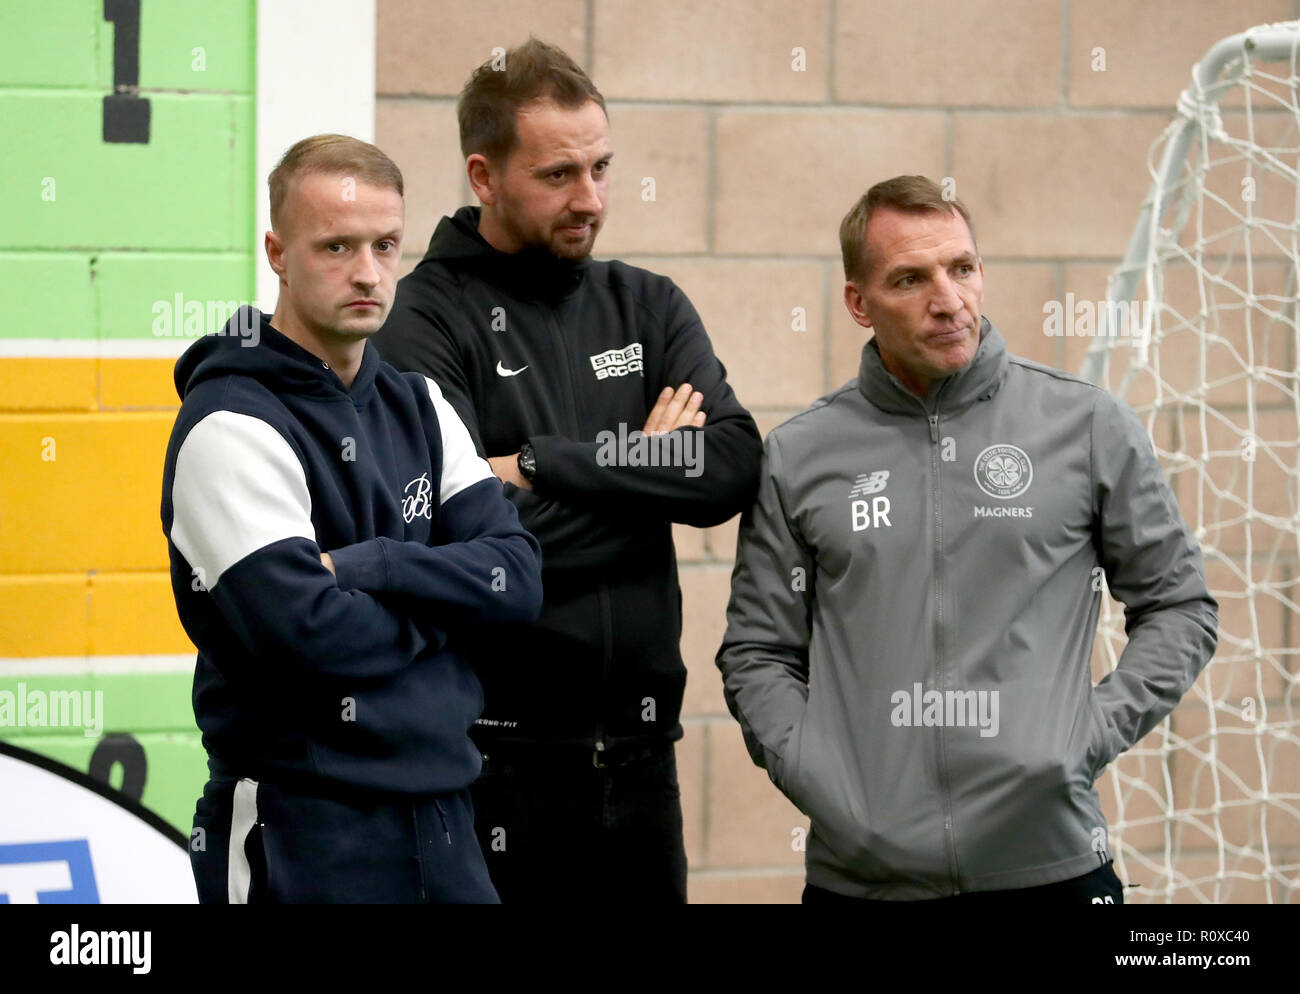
(571, 356)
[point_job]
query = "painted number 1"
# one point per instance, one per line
(126, 113)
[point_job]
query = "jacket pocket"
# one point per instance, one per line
(787, 767)
(1098, 754)
(812, 781)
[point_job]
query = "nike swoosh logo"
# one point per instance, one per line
(502, 371)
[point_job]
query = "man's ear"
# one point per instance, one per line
(274, 245)
(481, 178)
(855, 304)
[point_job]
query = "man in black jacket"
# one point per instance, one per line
(588, 386)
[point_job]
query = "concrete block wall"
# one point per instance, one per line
(761, 122)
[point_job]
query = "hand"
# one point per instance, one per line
(675, 409)
(329, 563)
(507, 469)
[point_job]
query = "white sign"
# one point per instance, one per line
(65, 839)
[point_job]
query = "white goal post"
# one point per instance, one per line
(1207, 807)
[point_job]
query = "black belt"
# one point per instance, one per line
(599, 758)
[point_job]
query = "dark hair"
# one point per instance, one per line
(331, 154)
(499, 87)
(912, 194)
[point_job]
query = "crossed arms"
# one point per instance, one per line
(242, 520)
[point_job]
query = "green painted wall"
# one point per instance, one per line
(93, 234)
(153, 708)
(106, 229)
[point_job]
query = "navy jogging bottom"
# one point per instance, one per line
(258, 843)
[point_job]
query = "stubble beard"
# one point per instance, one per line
(563, 247)
(554, 241)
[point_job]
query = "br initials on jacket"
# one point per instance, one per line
(873, 514)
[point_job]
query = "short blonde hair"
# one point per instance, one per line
(331, 154)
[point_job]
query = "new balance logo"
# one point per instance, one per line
(869, 483)
(873, 513)
(618, 362)
(502, 371)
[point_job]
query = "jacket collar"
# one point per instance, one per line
(273, 359)
(978, 380)
(531, 273)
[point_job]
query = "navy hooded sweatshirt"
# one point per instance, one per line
(304, 677)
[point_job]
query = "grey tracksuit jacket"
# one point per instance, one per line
(912, 616)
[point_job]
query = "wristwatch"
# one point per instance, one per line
(527, 461)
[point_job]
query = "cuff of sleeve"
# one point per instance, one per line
(362, 566)
(544, 451)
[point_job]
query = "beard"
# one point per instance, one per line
(553, 239)
(564, 246)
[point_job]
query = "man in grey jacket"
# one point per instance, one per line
(916, 592)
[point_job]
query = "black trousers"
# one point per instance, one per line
(258, 843)
(554, 828)
(1101, 886)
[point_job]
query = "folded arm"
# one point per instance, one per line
(702, 480)
(483, 565)
(241, 517)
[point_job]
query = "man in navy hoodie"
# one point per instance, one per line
(333, 536)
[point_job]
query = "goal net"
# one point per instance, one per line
(1201, 338)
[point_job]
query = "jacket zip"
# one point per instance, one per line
(571, 399)
(569, 394)
(939, 646)
(419, 850)
(606, 652)
(443, 815)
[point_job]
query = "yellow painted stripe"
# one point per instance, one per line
(75, 614)
(82, 492)
(85, 384)
(135, 613)
(44, 615)
(48, 384)
(127, 383)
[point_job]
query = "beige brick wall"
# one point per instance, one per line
(754, 163)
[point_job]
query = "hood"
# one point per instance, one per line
(248, 346)
(532, 272)
(978, 380)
